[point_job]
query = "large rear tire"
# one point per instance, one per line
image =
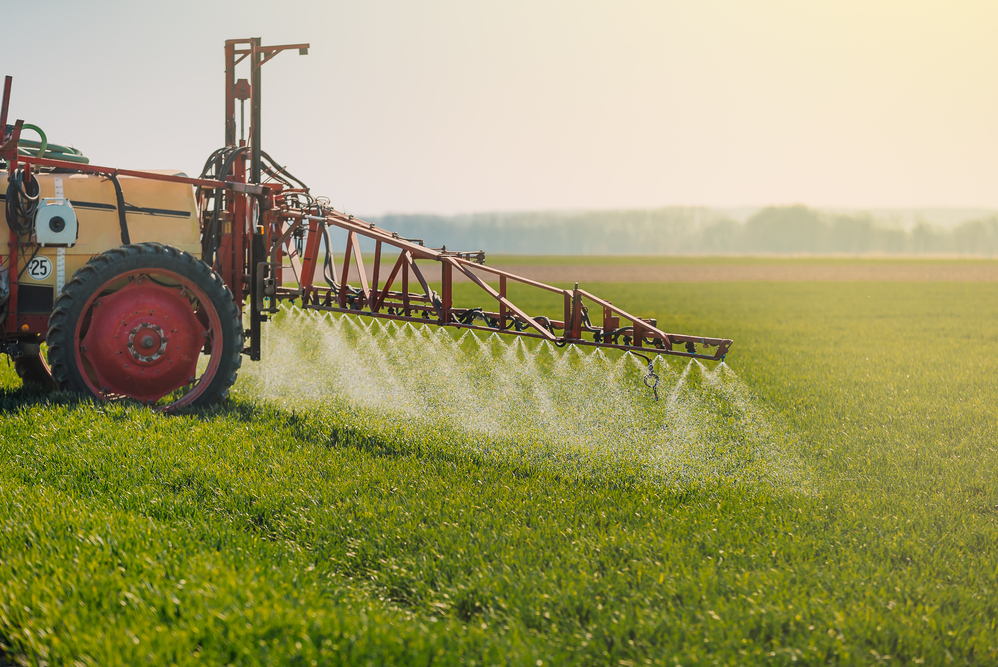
(148, 322)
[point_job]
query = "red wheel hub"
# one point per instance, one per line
(144, 341)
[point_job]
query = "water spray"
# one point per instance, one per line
(564, 410)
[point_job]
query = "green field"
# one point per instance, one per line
(838, 505)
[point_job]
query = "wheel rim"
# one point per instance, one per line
(142, 336)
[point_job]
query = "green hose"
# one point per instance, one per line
(55, 155)
(44, 149)
(45, 141)
(52, 148)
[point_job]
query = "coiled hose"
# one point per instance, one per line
(44, 149)
(21, 203)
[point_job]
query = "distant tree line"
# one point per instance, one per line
(773, 230)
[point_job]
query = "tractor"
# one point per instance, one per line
(153, 285)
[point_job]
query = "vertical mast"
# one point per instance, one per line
(256, 62)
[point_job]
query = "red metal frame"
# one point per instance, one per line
(11, 325)
(263, 224)
(374, 300)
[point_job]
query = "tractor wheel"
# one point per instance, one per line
(148, 322)
(33, 370)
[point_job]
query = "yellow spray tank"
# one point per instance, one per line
(157, 211)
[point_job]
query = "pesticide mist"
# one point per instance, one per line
(569, 409)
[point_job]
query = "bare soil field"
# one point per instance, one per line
(686, 269)
(805, 271)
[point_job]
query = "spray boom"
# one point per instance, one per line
(294, 217)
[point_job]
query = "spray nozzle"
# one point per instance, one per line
(651, 379)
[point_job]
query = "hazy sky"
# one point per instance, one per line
(466, 105)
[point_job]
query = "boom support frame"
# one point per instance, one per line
(616, 328)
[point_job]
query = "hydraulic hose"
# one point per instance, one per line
(120, 199)
(207, 236)
(220, 162)
(282, 171)
(209, 257)
(216, 167)
(21, 203)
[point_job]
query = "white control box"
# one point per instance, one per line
(55, 223)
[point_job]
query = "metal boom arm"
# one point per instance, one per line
(292, 228)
